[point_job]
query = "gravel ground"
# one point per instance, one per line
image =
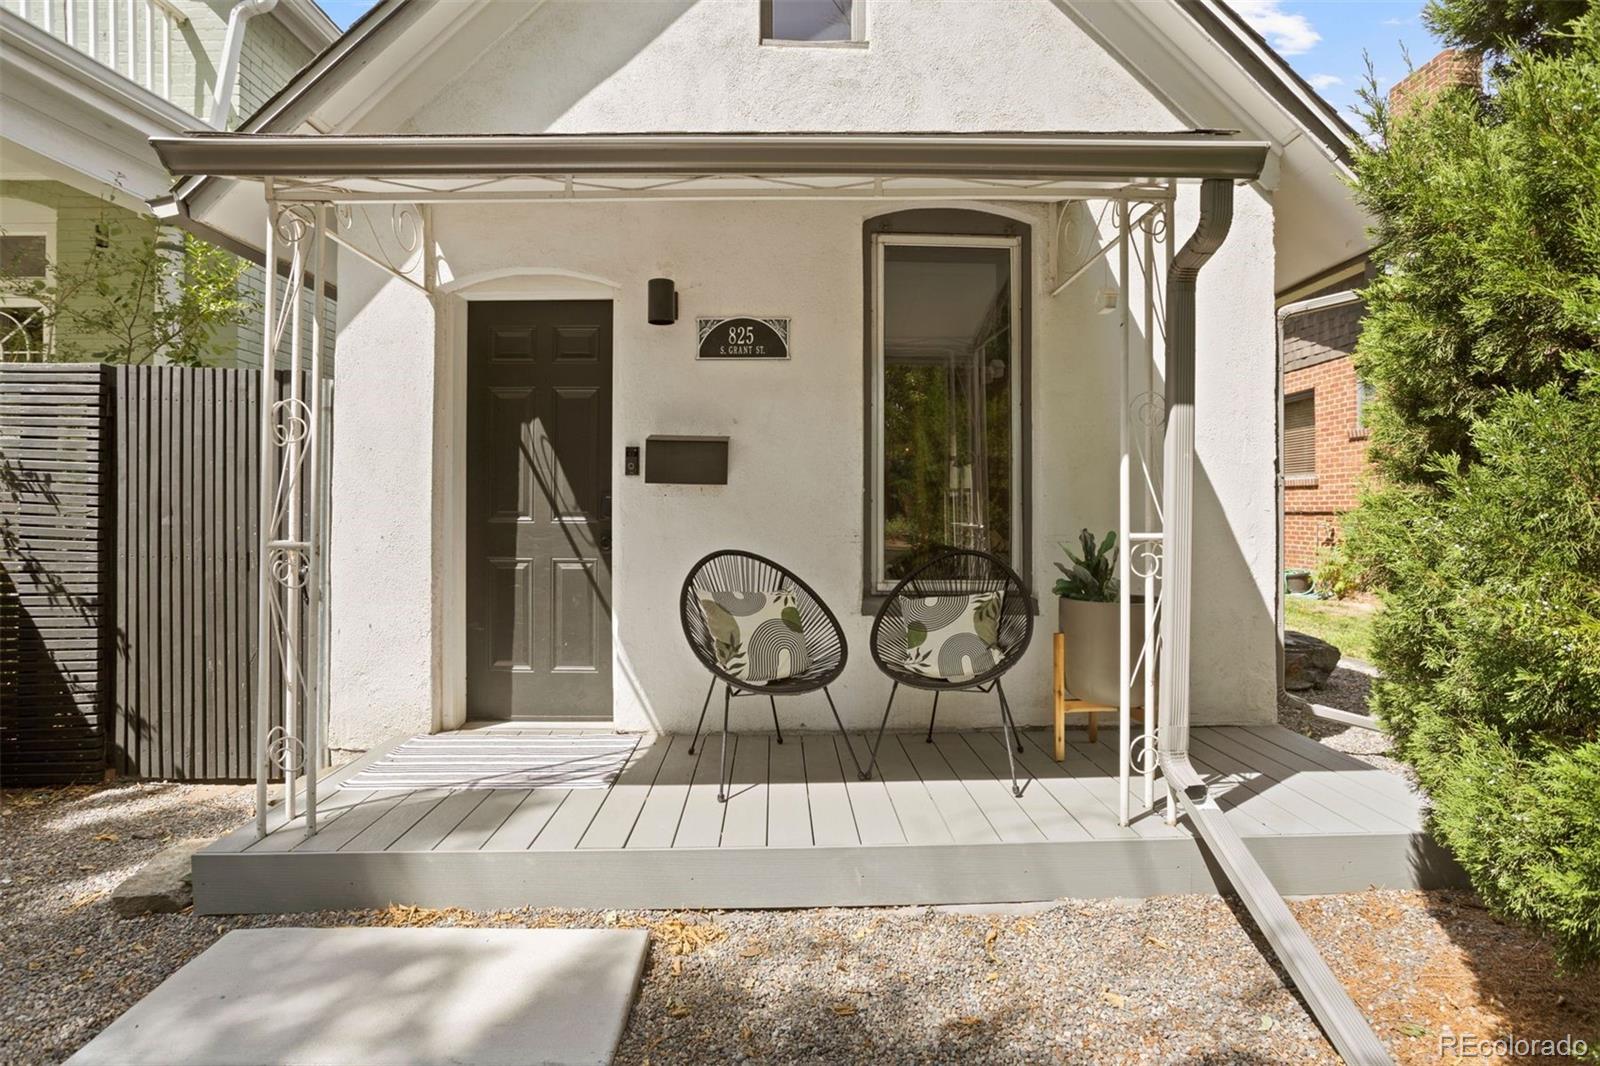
(1170, 979)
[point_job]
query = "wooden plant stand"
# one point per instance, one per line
(1065, 705)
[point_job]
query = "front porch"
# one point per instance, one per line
(937, 825)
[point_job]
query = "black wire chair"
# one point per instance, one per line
(741, 571)
(955, 572)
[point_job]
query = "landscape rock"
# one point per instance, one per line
(164, 885)
(1307, 661)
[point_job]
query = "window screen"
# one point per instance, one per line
(22, 256)
(808, 20)
(1300, 435)
(1364, 394)
(948, 365)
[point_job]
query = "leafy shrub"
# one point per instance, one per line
(1490, 649)
(1482, 338)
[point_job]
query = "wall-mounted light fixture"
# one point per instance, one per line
(661, 305)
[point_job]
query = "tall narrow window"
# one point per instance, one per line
(1300, 436)
(811, 21)
(24, 261)
(946, 370)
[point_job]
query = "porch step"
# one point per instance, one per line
(485, 997)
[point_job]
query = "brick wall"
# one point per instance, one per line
(1450, 69)
(1316, 359)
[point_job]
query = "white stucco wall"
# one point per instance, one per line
(796, 463)
(796, 458)
(584, 66)
(384, 668)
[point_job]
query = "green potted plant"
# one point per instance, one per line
(1088, 593)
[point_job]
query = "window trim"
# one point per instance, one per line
(875, 583)
(857, 38)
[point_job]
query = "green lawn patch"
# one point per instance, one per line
(1346, 624)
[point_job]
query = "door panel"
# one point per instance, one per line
(539, 509)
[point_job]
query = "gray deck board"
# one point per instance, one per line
(477, 828)
(1071, 793)
(833, 823)
(353, 822)
(961, 813)
(701, 824)
(1052, 819)
(744, 823)
(523, 825)
(1342, 791)
(876, 820)
(1301, 817)
(441, 821)
(614, 822)
(914, 808)
(663, 807)
(937, 824)
(397, 821)
(1006, 816)
(788, 804)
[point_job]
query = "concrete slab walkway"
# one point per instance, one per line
(386, 997)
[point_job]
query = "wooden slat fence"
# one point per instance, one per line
(55, 502)
(150, 668)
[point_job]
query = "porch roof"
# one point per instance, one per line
(423, 168)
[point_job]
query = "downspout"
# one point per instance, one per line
(232, 46)
(1343, 1023)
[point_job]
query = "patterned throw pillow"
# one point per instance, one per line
(953, 637)
(758, 634)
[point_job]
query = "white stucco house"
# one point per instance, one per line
(402, 562)
(621, 284)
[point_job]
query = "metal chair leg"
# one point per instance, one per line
(1010, 732)
(696, 738)
(774, 701)
(843, 732)
(876, 744)
(932, 716)
(722, 760)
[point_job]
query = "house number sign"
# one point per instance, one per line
(743, 337)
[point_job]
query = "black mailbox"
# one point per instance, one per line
(686, 460)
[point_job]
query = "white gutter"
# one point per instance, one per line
(228, 70)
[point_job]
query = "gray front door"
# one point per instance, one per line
(539, 509)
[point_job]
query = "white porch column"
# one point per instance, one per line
(383, 652)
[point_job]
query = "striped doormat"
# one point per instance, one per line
(504, 761)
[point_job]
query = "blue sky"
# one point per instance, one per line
(1324, 39)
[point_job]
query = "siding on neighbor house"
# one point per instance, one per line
(1317, 346)
(269, 57)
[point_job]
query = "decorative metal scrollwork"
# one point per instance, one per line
(287, 753)
(1144, 559)
(1149, 409)
(396, 241)
(295, 222)
(1154, 222)
(288, 567)
(291, 421)
(1142, 754)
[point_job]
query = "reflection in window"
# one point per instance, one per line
(947, 358)
(807, 20)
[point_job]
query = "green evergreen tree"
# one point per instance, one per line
(1482, 531)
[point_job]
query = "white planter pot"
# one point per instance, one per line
(1092, 650)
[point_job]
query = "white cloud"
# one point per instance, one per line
(1325, 81)
(1289, 34)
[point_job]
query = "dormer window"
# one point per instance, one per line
(813, 21)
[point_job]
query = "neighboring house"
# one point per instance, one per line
(436, 621)
(1324, 440)
(84, 84)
